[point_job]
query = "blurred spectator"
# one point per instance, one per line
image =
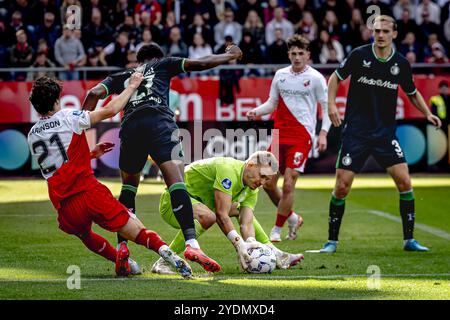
(155, 29)
(204, 7)
(69, 53)
(146, 38)
(277, 52)
(331, 25)
(227, 27)
(150, 6)
(440, 104)
(175, 46)
(278, 22)
(384, 8)
(366, 35)
(116, 52)
(269, 10)
(229, 84)
(169, 24)
(246, 7)
(339, 10)
(428, 27)
(432, 39)
(18, 24)
(411, 57)
(447, 30)
(326, 43)
(307, 26)
(351, 36)
(437, 55)
(429, 9)
(21, 54)
(198, 26)
(40, 8)
(401, 6)
(251, 51)
(332, 58)
(25, 8)
(131, 60)
(221, 5)
(100, 5)
(199, 48)
(43, 47)
(63, 9)
(128, 26)
(7, 34)
(96, 59)
(445, 12)
(41, 61)
(97, 34)
(254, 26)
(296, 10)
(410, 44)
(228, 40)
(408, 24)
(121, 10)
(48, 30)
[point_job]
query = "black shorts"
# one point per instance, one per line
(148, 132)
(355, 151)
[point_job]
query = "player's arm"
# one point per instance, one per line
(321, 97)
(96, 93)
(231, 53)
(333, 113)
(268, 106)
(246, 222)
(116, 105)
(419, 102)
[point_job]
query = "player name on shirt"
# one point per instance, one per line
(46, 126)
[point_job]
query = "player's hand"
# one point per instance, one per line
(235, 51)
(434, 120)
(135, 80)
(333, 114)
(101, 148)
(242, 251)
(251, 115)
(322, 141)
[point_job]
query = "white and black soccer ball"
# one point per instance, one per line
(263, 260)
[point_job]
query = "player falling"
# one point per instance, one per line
(376, 71)
(295, 92)
(58, 143)
(148, 128)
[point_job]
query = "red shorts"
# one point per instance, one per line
(96, 205)
(292, 156)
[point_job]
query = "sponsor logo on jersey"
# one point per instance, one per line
(294, 92)
(306, 83)
(395, 70)
(378, 82)
(347, 160)
(226, 183)
(298, 156)
(367, 64)
(282, 80)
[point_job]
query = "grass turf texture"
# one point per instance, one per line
(35, 254)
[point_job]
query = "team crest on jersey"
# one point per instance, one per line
(346, 161)
(306, 83)
(77, 113)
(226, 183)
(367, 64)
(395, 70)
(298, 156)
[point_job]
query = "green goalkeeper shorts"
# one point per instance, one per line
(165, 209)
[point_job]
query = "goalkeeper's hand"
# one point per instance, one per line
(242, 249)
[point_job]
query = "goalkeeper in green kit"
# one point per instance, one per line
(221, 188)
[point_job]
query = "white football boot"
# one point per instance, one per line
(294, 223)
(286, 260)
(134, 267)
(275, 234)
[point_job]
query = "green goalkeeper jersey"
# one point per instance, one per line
(203, 177)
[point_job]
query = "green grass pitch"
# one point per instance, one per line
(35, 254)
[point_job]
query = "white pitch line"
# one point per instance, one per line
(331, 277)
(434, 231)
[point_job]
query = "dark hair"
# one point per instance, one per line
(44, 94)
(298, 41)
(149, 52)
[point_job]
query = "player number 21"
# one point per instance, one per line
(44, 154)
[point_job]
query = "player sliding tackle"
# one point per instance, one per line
(221, 188)
(58, 143)
(148, 128)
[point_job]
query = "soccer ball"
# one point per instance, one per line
(263, 260)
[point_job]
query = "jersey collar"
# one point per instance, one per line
(300, 72)
(381, 59)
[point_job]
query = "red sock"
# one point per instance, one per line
(150, 240)
(281, 220)
(99, 245)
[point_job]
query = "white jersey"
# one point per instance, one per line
(295, 95)
(59, 145)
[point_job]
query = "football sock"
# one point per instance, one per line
(281, 220)
(337, 207)
(292, 218)
(99, 245)
(127, 198)
(182, 209)
(177, 245)
(260, 235)
(407, 213)
(149, 239)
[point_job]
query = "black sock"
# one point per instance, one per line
(337, 208)
(127, 198)
(182, 208)
(407, 213)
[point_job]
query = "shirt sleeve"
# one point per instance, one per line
(406, 80)
(224, 179)
(251, 199)
(347, 66)
(321, 90)
(174, 66)
(115, 83)
(78, 121)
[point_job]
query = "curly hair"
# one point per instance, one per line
(44, 94)
(148, 52)
(298, 41)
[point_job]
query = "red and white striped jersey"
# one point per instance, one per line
(295, 95)
(59, 145)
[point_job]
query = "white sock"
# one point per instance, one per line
(193, 243)
(292, 219)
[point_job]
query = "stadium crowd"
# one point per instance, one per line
(34, 33)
